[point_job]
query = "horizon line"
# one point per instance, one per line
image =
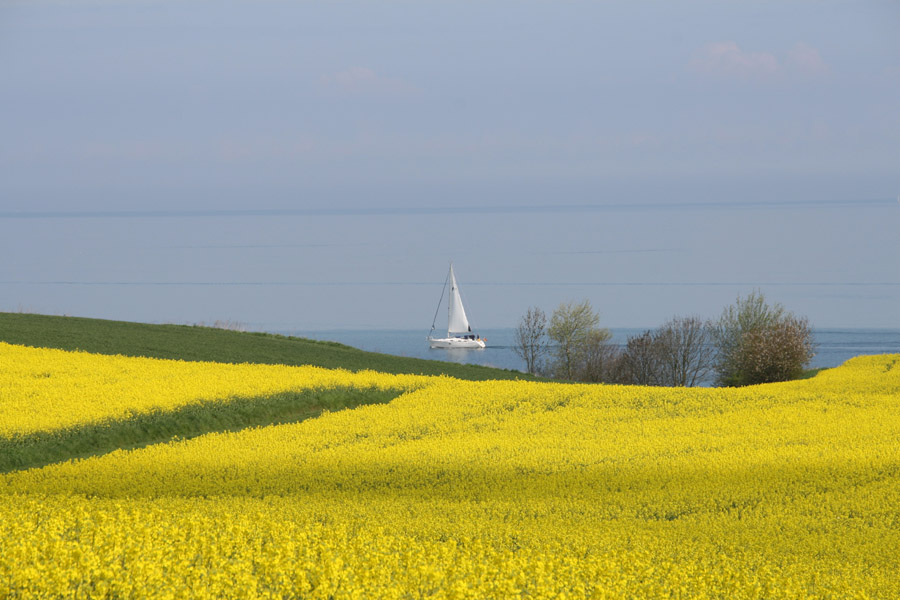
(445, 210)
(471, 283)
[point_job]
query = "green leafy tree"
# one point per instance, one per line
(575, 335)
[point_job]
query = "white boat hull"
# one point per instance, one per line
(454, 342)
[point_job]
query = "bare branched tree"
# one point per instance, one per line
(531, 339)
(640, 361)
(599, 361)
(684, 351)
(680, 353)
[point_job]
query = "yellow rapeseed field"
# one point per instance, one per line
(461, 489)
(44, 389)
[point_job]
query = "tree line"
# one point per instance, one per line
(751, 342)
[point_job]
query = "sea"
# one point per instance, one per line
(833, 346)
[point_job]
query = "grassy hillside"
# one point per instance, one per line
(188, 342)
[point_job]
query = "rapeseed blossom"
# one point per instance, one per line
(45, 389)
(462, 489)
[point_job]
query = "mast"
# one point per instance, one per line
(443, 289)
(452, 279)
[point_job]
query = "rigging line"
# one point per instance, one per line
(436, 310)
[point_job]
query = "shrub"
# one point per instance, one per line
(758, 343)
(778, 352)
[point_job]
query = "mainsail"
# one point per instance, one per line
(458, 322)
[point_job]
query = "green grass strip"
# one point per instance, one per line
(188, 342)
(40, 449)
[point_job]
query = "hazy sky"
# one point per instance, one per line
(316, 165)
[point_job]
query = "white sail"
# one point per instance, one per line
(458, 323)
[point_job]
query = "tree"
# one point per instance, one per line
(679, 353)
(599, 361)
(640, 360)
(531, 339)
(573, 329)
(755, 340)
(684, 352)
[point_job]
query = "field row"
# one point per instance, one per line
(45, 390)
(393, 547)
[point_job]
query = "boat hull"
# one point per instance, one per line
(455, 343)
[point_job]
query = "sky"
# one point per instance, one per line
(317, 165)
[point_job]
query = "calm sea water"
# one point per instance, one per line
(834, 346)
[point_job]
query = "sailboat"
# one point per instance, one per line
(459, 332)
